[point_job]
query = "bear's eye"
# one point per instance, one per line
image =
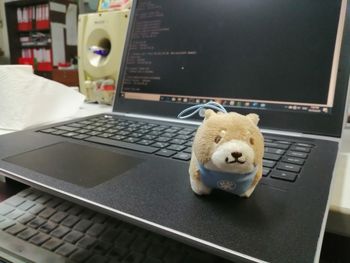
(251, 141)
(217, 139)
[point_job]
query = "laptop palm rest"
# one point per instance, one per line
(77, 164)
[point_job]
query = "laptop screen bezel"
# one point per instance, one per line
(299, 122)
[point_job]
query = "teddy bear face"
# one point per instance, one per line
(229, 142)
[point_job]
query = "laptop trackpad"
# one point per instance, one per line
(78, 164)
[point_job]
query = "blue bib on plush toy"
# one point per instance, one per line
(230, 182)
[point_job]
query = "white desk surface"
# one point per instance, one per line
(339, 216)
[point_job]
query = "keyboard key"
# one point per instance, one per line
(165, 152)
(80, 255)
(26, 205)
(39, 239)
(269, 163)
(27, 233)
(133, 257)
(284, 142)
(160, 144)
(273, 157)
(67, 128)
(52, 244)
(182, 156)
(124, 239)
(276, 145)
(297, 154)
(36, 209)
(140, 244)
(120, 252)
(70, 221)
(81, 136)
(266, 171)
(15, 214)
(162, 139)
(145, 142)
(24, 219)
(274, 150)
(289, 167)
(293, 160)
(101, 247)
(15, 200)
(73, 236)
(58, 217)
(98, 258)
(54, 202)
(109, 235)
(49, 130)
(86, 242)
(60, 231)
(36, 222)
(5, 209)
(66, 249)
(188, 150)
(14, 230)
(6, 223)
(64, 206)
(47, 212)
(176, 147)
(301, 149)
(70, 134)
(74, 210)
(304, 144)
(287, 176)
(126, 145)
(131, 140)
(95, 230)
(83, 225)
(43, 199)
(47, 227)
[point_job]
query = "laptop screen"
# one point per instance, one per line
(271, 56)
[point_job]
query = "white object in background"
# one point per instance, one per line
(58, 47)
(71, 25)
(27, 100)
(24, 68)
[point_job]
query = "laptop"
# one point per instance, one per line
(287, 61)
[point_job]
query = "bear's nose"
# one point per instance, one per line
(236, 155)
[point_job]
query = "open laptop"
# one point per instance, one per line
(286, 60)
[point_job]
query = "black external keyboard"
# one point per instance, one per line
(283, 159)
(41, 223)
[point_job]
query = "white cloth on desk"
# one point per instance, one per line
(27, 100)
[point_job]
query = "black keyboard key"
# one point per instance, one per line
(160, 144)
(47, 227)
(177, 141)
(99, 218)
(289, 167)
(14, 230)
(53, 202)
(6, 209)
(131, 140)
(74, 210)
(174, 256)
(49, 130)
(300, 149)
(86, 242)
(156, 251)
(63, 206)
(15, 200)
(52, 244)
(297, 154)
(73, 237)
(26, 234)
(118, 252)
(15, 214)
(271, 156)
(125, 238)
(140, 244)
(58, 217)
(274, 150)
(36, 222)
(43, 199)
(176, 147)
(269, 163)
(188, 150)
(36, 209)
(118, 137)
(70, 134)
(26, 205)
(101, 247)
(58, 132)
(304, 144)
(95, 230)
(276, 145)
(47, 212)
(130, 146)
(25, 218)
(182, 156)
(39, 239)
(80, 255)
(109, 235)
(293, 160)
(60, 231)
(81, 136)
(145, 142)
(87, 214)
(282, 175)
(98, 259)
(162, 139)
(66, 249)
(83, 225)
(67, 128)
(165, 152)
(266, 171)
(284, 142)
(70, 221)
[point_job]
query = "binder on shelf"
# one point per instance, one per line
(42, 17)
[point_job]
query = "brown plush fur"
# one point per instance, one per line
(224, 127)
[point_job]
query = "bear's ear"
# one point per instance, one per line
(254, 118)
(208, 113)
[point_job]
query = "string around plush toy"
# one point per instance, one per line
(200, 109)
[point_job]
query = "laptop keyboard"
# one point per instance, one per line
(83, 235)
(283, 159)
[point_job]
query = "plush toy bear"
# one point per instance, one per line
(227, 154)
